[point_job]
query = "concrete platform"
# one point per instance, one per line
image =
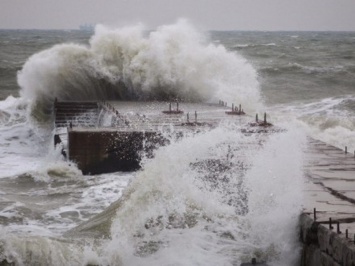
(112, 136)
(330, 191)
(330, 185)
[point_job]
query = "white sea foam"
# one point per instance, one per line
(270, 44)
(17, 139)
(276, 195)
(241, 200)
(174, 214)
(318, 69)
(330, 119)
(173, 61)
(242, 45)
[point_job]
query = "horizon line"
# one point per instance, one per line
(217, 30)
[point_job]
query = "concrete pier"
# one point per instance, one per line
(107, 137)
(108, 150)
(327, 225)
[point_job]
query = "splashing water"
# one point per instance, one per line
(213, 198)
(216, 198)
(173, 62)
(177, 212)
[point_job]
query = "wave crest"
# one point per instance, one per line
(173, 62)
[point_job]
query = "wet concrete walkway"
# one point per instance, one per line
(330, 185)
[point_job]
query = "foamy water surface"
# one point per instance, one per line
(219, 197)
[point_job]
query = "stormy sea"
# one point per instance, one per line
(219, 197)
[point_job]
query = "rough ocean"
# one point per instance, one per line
(214, 198)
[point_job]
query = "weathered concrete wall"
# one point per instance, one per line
(324, 247)
(110, 151)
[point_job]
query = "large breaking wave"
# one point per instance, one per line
(173, 62)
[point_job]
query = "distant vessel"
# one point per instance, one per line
(87, 27)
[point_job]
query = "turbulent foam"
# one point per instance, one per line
(19, 141)
(196, 202)
(204, 200)
(330, 120)
(276, 195)
(177, 213)
(175, 61)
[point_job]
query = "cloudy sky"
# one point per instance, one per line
(207, 14)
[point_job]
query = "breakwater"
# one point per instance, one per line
(108, 137)
(327, 225)
(104, 137)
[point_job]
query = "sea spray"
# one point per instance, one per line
(20, 140)
(275, 185)
(21, 251)
(213, 198)
(173, 215)
(315, 78)
(173, 62)
(171, 212)
(329, 120)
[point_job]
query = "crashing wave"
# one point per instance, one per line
(173, 62)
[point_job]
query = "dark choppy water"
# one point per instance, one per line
(213, 214)
(16, 46)
(298, 66)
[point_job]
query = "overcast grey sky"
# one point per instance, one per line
(206, 14)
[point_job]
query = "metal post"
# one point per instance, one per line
(195, 116)
(240, 108)
(264, 118)
(330, 224)
(187, 117)
(338, 228)
(256, 118)
(314, 214)
(346, 150)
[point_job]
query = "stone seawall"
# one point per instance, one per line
(327, 225)
(97, 152)
(323, 246)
